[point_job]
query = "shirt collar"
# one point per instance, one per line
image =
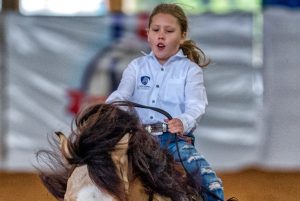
(178, 54)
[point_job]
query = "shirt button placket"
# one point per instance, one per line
(156, 91)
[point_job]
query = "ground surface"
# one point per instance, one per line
(248, 185)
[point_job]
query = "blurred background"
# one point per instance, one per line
(57, 54)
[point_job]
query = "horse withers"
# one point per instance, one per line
(109, 156)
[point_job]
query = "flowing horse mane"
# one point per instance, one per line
(103, 133)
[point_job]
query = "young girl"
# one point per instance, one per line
(171, 78)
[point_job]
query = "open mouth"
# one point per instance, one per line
(160, 46)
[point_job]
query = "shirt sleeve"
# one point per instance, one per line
(126, 86)
(195, 99)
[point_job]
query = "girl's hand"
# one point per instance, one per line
(175, 126)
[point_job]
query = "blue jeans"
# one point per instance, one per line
(195, 164)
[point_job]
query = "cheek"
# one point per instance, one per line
(150, 41)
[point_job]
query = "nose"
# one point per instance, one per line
(161, 35)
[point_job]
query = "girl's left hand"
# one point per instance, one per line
(175, 126)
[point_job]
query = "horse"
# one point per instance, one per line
(109, 156)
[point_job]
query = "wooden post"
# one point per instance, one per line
(115, 6)
(10, 5)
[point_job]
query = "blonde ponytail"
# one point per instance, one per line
(194, 53)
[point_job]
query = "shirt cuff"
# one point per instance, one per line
(187, 126)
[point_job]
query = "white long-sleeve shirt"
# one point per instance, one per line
(176, 87)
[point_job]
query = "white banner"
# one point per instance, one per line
(282, 94)
(2, 94)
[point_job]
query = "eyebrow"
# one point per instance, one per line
(167, 26)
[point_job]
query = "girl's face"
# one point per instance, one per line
(165, 36)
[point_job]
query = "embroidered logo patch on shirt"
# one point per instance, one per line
(145, 82)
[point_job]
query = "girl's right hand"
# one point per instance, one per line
(175, 126)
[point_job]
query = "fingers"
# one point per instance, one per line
(175, 126)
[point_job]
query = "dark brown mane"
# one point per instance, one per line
(97, 130)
